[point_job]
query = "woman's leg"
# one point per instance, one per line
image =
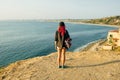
(63, 56)
(59, 56)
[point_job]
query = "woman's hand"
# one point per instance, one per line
(55, 45)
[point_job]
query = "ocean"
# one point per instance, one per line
(21, 40)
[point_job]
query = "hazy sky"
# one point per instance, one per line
(58, 9)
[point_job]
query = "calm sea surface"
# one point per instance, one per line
(25, 39)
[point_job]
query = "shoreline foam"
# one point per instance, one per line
(90, 45)
(87, 46)
(94, 46)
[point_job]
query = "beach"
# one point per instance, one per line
(95, 46)
(116, 26)
(83, 65)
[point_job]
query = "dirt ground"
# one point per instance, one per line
(85, 65)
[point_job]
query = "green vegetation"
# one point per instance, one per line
(117, 49)
(115, 20)
(1, 69)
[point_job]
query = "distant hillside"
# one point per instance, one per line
(65, 20)
(114, 20)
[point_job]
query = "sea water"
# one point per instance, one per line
(26, 39)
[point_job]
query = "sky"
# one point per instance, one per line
(58, 9)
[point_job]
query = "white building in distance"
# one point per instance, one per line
(114, 37)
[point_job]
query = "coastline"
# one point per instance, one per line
(89, 62)
(85, 65)
(94, 46)
(116, 26)
(87, 47)
(33, 53)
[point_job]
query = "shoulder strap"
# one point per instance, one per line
(67, 35)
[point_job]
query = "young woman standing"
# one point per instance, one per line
(60, 36)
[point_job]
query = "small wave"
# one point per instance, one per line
(84, 46)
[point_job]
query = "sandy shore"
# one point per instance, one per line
(84, 65)
(95, 46)
(117, 26)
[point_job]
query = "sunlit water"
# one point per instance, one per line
(25, 39)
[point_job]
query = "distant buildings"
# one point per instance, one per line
(113, 37)
(113, 40)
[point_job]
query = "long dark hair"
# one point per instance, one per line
(61, 28)
(61, 24)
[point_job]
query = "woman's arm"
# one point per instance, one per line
(56, 39)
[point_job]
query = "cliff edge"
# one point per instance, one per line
(85, 65)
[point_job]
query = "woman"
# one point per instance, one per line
(60, 36)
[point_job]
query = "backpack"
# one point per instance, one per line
(68, 42)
